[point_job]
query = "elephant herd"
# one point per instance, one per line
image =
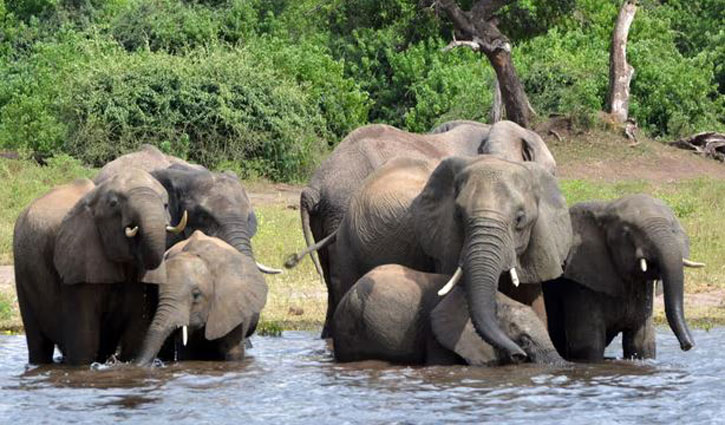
(454, 247)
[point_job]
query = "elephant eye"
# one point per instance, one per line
(112, 202)
(196, 294)
(520, 219)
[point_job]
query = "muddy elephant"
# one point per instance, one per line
(324, 202)
(81, 252)
(492, 222)
(620, 249)
(217, 203)
(211, 301)
(395, 314)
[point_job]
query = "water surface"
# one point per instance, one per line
(292, 379)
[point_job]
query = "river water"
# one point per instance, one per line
(292, 379)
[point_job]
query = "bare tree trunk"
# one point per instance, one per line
(479, 26)
(497, 105)
(620, 72)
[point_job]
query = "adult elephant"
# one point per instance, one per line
(148, 158)
(493, 222)
(217, 203)
(80, 252)
(510, 141)
(213, 290)
(620, 249)
(324, 202)
(394, 313)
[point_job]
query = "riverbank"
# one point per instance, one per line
(592, 165)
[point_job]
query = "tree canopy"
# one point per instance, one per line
(267, 86)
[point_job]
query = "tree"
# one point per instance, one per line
(620, 72)
(478, 27)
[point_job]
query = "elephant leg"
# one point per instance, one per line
(137, 313)
(555, 308)
(81, 327)
(639, 342)
(40, 348)
(437, 355)
(584, 324)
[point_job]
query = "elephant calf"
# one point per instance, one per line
(394, 313)
(214, 293)
(620, 249)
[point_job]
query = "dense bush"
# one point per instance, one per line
(267, 86)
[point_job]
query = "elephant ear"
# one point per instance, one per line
(535, 150)
(589, 262)
(79, 256)
(551, 235)
(453, 329)
(436, 225)
(239, 295)
(252, 223)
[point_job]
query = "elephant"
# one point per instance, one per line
(620, 249)
(495, 223)
(394, 313)
(325, 200)
(217, 203)
(81, 252)
(215, 291)
(148, 158)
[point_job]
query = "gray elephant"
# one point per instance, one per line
(324, 202)
(395, 314)
(217, 203)
(80, 252)
(620, 249)
(213, 293)
(510, 141)
(148, 158)
(493, 222)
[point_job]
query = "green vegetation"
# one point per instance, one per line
(267, 87)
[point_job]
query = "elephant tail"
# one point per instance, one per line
(308, 203)
(295, 258)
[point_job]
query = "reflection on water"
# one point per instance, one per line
(293, 379)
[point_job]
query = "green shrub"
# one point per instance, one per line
(213, 105)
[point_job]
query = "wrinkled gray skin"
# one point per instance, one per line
(77, 272)
(214, 290)
(510, 141)
(217, 203)
(604, 291)
(324, 202)
(485, 214)
(394, 313)
(148, 158)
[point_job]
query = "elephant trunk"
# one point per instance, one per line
(234, 231)
(151, 220)
(670, 262)
(170, 315)
(487, 253)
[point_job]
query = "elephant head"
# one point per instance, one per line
(217, 204)
(510, 141)
(211, 287)
(484, 217)
(120, 222)
(630, 241)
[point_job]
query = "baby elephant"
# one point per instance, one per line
(620, 249)
(395, 314)
(214, 293)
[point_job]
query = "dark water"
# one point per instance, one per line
(292, 379)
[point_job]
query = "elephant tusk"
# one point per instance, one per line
(184, 335)
(267, 270)
(695, 264)
(131, 232)
(452, 282)
(643, 264)
(179, 227)
(514, 277)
